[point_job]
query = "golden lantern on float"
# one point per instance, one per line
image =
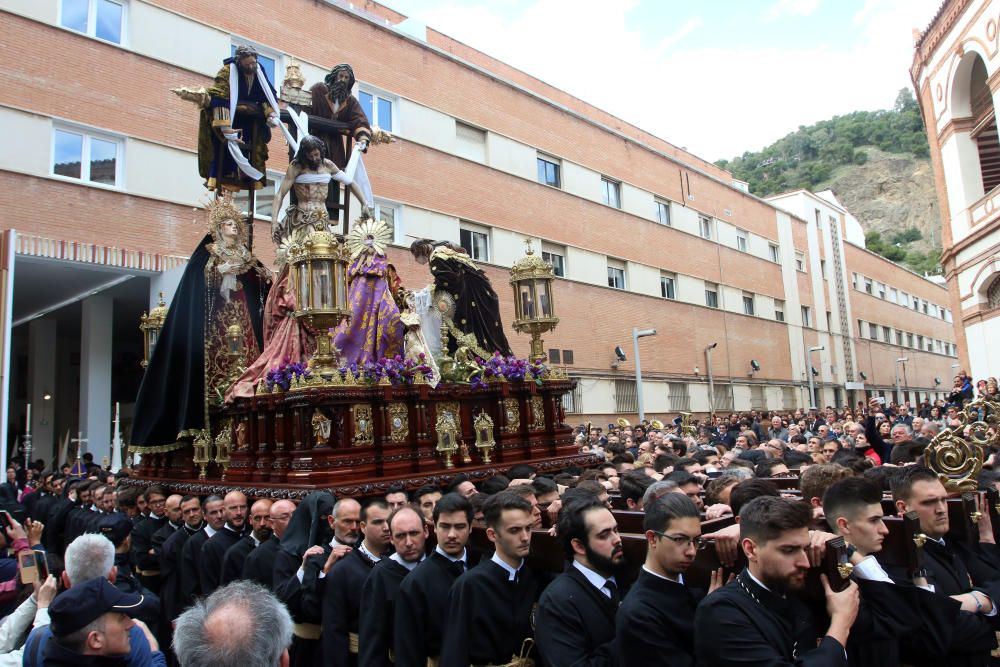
(319, 277)
(151, 324)
(534, 309)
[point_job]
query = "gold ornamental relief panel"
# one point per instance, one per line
(454, 410)
(399, 422)
(363, 427)
(537, 414)
(511, 416)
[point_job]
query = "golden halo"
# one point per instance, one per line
(375, 234)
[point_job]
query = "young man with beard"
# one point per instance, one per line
(408, 532)
(757, 619)
(575, 623)
(214, 550)
(655, 624)
(422, 601)
(260, 532)
(490, 606)
(343, 584)
(259, 565)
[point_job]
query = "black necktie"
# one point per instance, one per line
(457, 567)
(613, 587)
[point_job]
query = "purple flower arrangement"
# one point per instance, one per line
(282, 376)
(397, 370)
(510, 368)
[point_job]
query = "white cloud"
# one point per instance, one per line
(783, 8)
(713, 98)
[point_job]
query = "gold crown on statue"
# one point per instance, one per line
(223, 208)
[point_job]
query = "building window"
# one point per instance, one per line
(873, 331)
(869, 286)
(611, 192)
(829, 321)
(886, 334)
(861, 328)
(662, 212)
(748, 308)
(899, 338)
(548, 171)
(773, 253)
(554, 356)
(263, 199)
(881, 290)
(893, 295)
(668, 286)
(556, 256)
(87, 157)
(905, 300)
(616, 274)
(909, 340)
(389, 214)
(677, 394)
(705, 227)
(742, 240)
(379, 108)
(924, 307)
(920, 342)
(712, 295)
(626, 398)
(806, 320)
(471, 142)
(779, 310)
(476, 242)
(103, 19)
(800, 262)
(916, 304)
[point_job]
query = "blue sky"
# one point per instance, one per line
(718, 78)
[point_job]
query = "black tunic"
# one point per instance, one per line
(744, 624)
(235, 558)
(489, 617)
(142, 541)
(972, 636)
(259, 565)
(170, 582)
(375, 634)
(342, 607)
(655, 624)
(421, 607)
(575, 623)
(190, 584)
(212, 554)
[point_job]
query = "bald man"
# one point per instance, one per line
(260, 533)
(234, 508)
(259, 565)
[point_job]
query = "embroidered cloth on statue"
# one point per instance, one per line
(374, 329)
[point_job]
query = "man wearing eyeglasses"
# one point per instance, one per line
(575, 624)
(655, 624)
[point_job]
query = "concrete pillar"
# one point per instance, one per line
(95, 375)
(42, 382)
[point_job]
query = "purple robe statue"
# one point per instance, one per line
(375, 329)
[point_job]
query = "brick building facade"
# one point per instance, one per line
(642, 233)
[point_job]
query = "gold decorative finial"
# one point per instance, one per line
(293, 76)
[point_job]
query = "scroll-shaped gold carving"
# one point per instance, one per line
(224, 445)
(537, 413)
(399, 422)
(957, 461)
(511, 416)
(455, 410)
(363, 428)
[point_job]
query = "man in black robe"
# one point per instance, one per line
(297, 567)
(408, 533)
(575, 624)
(259, 565)
(342, 590)
(173, 522)
(490, 606)
(655, 623)
(170, 558)
(260, 532)
(951, 569)
(53, 537)
(757, 619)
(477, 307)
(190, 584)
(214, 550)
(422, 601)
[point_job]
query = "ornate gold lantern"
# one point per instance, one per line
(234, 351)
(447, 434)
(151, 324)
(319, 277)
(534, 310)
(484, 436)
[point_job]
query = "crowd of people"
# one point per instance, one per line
(134, 575)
